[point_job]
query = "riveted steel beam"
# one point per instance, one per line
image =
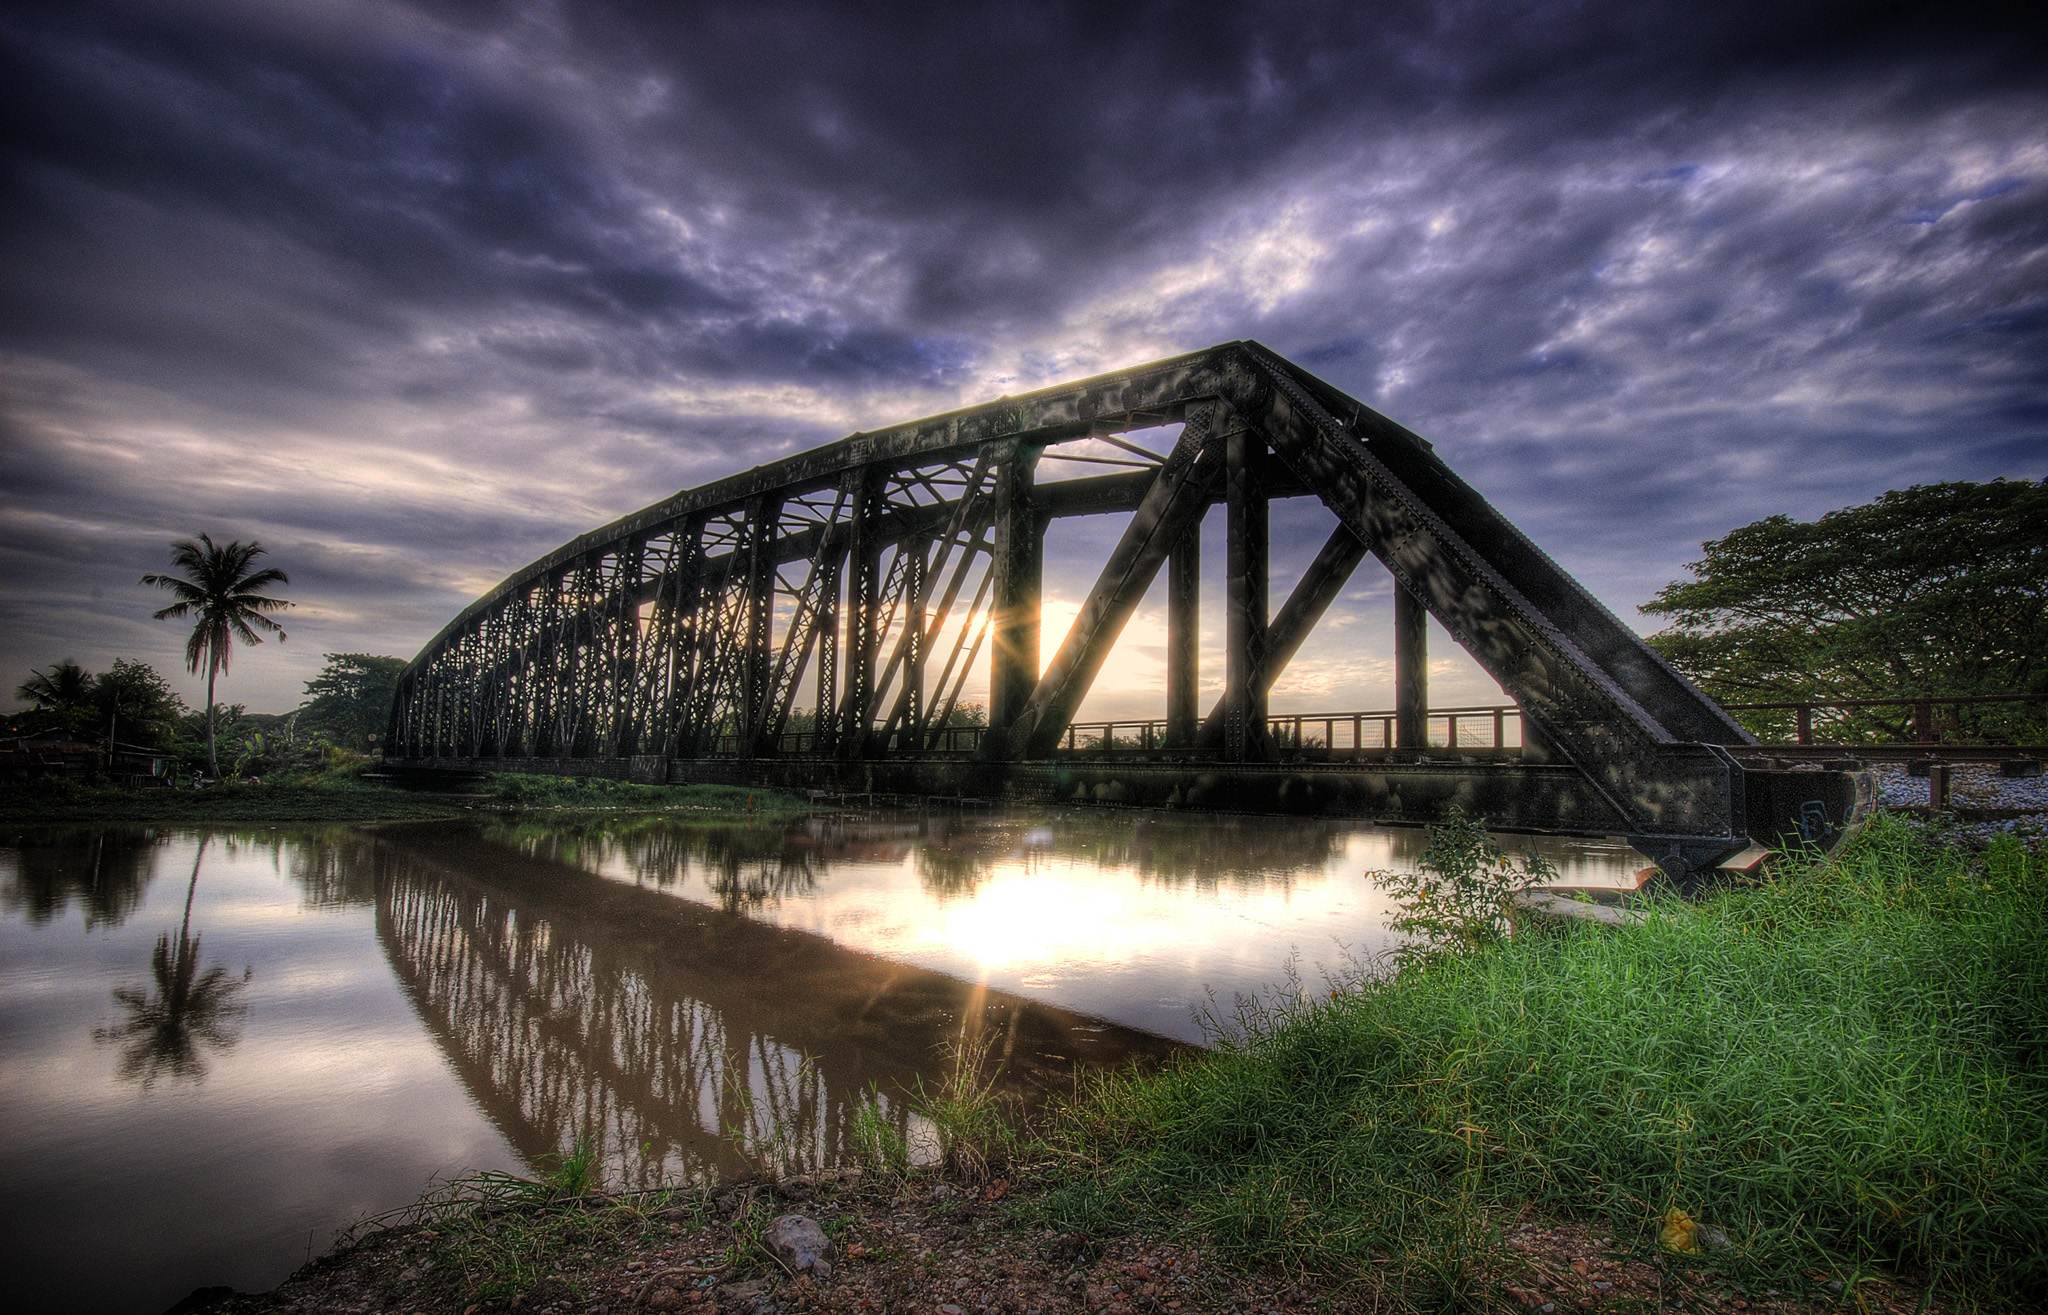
(1178, 496)
(652, 638)
(1311, 596)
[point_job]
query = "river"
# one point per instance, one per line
(219, 1046)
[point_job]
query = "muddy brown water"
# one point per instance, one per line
(219, 1046)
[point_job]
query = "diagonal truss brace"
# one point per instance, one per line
(1176, 500)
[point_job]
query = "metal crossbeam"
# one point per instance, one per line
(650, 646)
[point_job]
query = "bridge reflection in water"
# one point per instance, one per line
(679, 1040)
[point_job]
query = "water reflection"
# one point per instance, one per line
(104, 871)
(428, 1000)
(168, 1027)
(679, 1040)
(747, 867)
(743, 867)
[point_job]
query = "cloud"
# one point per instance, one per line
(415, 292)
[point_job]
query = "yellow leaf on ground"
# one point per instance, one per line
(1680, 1233)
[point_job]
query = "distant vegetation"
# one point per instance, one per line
(219, 588)
(1936, 589)
(130, 704)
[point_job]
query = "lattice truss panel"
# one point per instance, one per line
(834, 603)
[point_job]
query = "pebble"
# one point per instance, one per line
(800, 1244)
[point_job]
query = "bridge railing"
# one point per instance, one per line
(1483, 726)
(1486, 726)
(1912, 721)
(1902, 721)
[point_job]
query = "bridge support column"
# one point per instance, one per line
(1411, 671)
(758, 663)
(1183, 636)
(626, 641)
(1019, 586)
(916, 589)
(826, 669)
(863, 609)
(1244, 680)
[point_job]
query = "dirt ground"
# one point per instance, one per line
(947, 1249)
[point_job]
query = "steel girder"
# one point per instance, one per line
(671, 633)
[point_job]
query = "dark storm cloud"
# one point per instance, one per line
(414, 292)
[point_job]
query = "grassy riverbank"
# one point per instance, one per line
(1829, 1091)
(344, 794)
(1841, 1072)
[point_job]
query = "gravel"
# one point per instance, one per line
(1975, 786)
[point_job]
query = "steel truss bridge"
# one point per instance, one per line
(869, 574)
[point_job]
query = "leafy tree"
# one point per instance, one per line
(63, 692)
(218, 586)
(133, 702)
(351, 698)
(1936, 589)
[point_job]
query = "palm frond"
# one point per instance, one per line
(216, 586)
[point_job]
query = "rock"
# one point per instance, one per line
(950, 1308)
(1713, 1239)
(801, 1246)
(664, 1298)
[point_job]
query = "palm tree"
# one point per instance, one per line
(170, 1029)
(219, 589)
(65, 691)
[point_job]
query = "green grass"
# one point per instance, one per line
(876, 1144)
(339, 793)
(973, 1129)
(528, 791)
(308, 797)
(1845, 1070)
(495, 1235)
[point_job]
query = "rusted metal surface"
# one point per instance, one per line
(674, 642)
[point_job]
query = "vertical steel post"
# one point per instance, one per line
(1411, 671)
(916, 585)
(828, 646)
(1245, 732)
(863, 614)
(1183, 636)
(686, 602)
(1019, 582)
(625, 663)
(757, 665)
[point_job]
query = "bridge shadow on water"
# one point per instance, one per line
(675, 1038)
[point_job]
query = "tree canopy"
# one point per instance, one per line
(1935, 589)
(350, 700)
(61, 692)
(220, 587)
(130, 703)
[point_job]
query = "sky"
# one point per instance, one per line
(412, 292)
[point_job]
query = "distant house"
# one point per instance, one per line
(47, 753)
(136, 764)
(60, 753)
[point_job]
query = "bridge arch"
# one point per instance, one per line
(672, 643)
